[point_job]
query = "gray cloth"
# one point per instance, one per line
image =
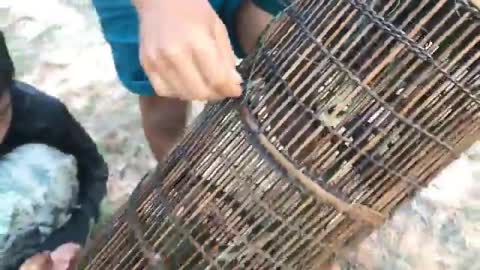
(38, 190)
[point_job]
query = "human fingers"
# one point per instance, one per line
(40, 261)
(224, 46)
(218, 72)
(194, 78)
(65, 256)
(158, 74)
(227, 55)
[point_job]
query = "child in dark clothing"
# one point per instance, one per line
(30, 117)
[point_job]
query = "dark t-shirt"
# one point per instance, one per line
(39, 118)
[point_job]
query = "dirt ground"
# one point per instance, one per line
(58, 47)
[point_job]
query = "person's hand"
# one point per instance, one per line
(185, 50)
(40, 261)
(65, 257)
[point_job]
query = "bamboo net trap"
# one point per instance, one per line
(350, 107)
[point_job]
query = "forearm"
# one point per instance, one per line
(251, 20)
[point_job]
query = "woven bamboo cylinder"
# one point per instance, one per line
(350, 108)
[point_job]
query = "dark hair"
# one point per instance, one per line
(7, 69)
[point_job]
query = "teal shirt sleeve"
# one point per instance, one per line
(273, 7)
(119, 22)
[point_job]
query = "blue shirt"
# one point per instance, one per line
(119, 22)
